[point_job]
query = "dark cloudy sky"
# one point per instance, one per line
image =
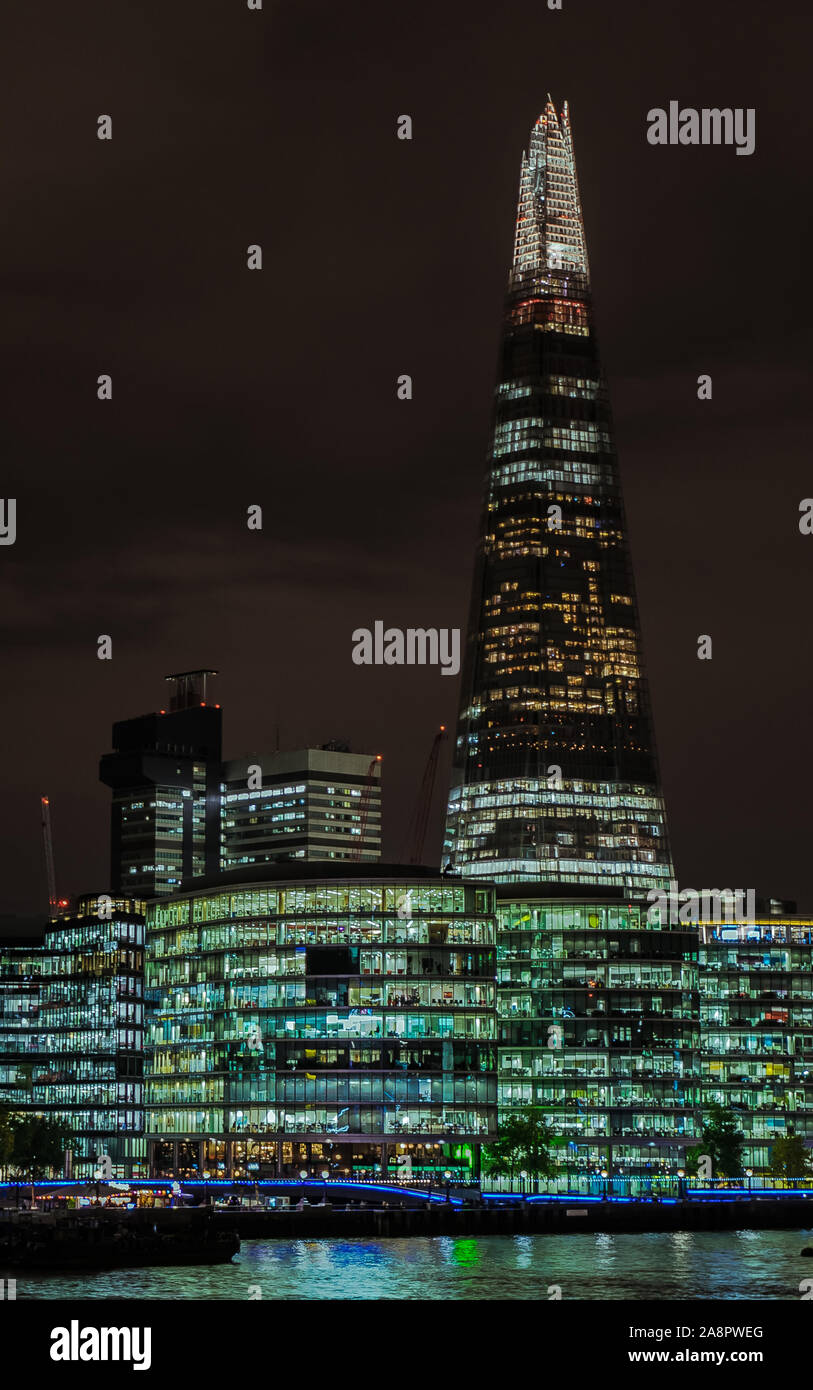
(232, 127)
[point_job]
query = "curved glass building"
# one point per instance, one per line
(338, 1022)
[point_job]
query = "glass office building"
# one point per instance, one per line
(72, 1033)
(313, 804)
(756, 1010)
(555, 777)
(335, 1019)
(20, 974)
(598, 1025)
(164, 773)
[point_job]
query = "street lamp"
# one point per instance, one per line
(749, 1173)
(447, 1178)
(604, 1177)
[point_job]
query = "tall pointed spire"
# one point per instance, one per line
(555, 776)
(550, 229)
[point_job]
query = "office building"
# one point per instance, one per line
(314, 804)
(756, 1019)
(598, 1025)
(555, 777)
(164, 772)
(322, 1019)
(72, 1032)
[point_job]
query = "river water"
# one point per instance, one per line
(682, 1265)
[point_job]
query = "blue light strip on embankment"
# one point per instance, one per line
(165, 1185)
(318, 1184)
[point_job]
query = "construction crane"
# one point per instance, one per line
(48, 844)
(416, 834)
(366, 798)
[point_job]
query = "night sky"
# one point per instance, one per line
(278, 387)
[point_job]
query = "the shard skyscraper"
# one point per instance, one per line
(555, 776)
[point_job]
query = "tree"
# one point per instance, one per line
(522, 1143)
(6, 1138)
(39, 1145)
(722, 1141)
(790, 1158)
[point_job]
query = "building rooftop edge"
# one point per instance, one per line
(302, 872)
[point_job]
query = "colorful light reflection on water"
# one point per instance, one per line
(682, 1265)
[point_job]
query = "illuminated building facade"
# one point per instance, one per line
(598, 1025)
(165, 776)
(21, 964)
(555, 776)
(315, 804)
(756, 1012)
(337, 1021)
(72, 1032)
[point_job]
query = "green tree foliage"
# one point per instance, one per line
(722, 1141)
(790, 1158)
(38, 1145)
(522, 1143)
(6, 1139)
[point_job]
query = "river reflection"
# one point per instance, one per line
(702, 1265)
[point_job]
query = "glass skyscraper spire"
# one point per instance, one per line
(555, 776)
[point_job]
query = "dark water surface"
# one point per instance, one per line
(702, 1265)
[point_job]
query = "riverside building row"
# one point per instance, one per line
(329, 1020)
(354, 1017)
